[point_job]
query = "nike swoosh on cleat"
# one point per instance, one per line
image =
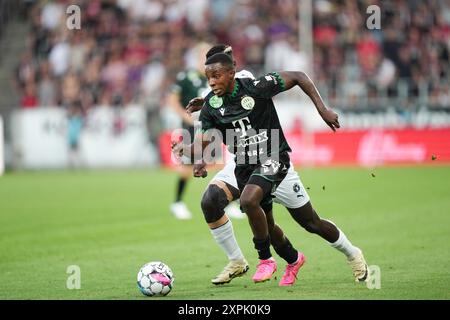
(237, 274)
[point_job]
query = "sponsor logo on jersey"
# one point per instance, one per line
(216, 102)
(247, 103)
(256, 139)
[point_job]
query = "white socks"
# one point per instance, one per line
(344, 245)
(224, 236)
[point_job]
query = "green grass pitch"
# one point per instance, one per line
(109, 223)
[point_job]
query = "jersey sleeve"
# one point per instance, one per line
(268, 85)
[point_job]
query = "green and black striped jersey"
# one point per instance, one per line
(247, 119)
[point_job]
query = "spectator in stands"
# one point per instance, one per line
(47, 89)
(29, 98)
(75, 124)
(124, 43)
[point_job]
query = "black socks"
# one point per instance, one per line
(287, 252)
(263, 247)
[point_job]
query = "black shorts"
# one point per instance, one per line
(267, 175)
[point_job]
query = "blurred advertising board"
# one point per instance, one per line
(2, 144)
(116, 138)
(47, 138)
(39, 138)
(369, 147)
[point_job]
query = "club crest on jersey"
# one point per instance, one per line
(216, 102)
(247, 103)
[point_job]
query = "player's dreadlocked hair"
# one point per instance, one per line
(220, 48)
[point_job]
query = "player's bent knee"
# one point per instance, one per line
(213, 203)
(248, 203)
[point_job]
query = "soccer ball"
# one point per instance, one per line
(155, 279)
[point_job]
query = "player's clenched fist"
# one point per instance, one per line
(331, 119)
(200, 170)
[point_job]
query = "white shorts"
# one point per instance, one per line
(290, 193)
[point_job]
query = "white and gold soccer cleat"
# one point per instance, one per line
(359, 267)
(235, 268)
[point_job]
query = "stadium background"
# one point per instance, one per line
(95, 98)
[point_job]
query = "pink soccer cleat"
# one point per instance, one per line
(290, 274)
(264, 270)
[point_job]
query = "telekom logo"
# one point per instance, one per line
(377, 147)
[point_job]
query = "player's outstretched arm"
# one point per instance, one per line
(294, 78)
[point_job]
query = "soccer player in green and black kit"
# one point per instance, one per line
(244, 107)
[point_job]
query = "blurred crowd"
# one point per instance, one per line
(129, 51)
(405, 63)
